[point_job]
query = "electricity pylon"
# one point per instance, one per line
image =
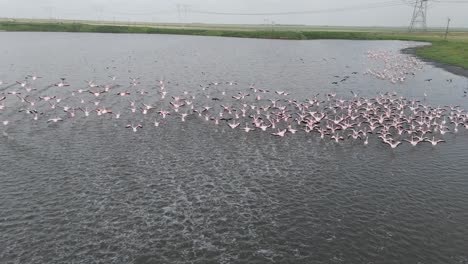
(419, 16)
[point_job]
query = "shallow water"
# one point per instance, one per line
(89, 190)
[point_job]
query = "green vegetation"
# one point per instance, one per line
(453, 51)
(450, 52)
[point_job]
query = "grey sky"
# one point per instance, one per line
(388, 12)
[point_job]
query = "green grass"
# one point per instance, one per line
(453, 51)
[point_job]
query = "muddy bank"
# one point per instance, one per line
(450, 68)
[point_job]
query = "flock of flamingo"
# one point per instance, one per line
(389, 118)
(396, 67)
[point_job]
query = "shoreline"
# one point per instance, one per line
(460, 71)
(450, 54)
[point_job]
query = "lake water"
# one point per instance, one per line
(89, 190)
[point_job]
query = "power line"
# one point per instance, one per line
(451, 1)
(141, 14)
(358, 7)
(420, 13)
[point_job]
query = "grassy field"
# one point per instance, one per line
(453, 51)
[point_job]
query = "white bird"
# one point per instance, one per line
(134, 128)
(280, 133)
(183, 115)
(55, 120)
(34, 77)
(233, 124)
(247, 129)
(62, 83)
(413, 141)
(392, 144)
(434, 141)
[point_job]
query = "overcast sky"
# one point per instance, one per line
(323, 12)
